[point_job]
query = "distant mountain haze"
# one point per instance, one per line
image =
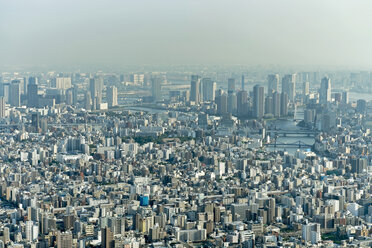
(113, 32)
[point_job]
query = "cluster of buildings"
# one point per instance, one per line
(77, 169)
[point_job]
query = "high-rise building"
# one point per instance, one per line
(112, 96)
(345, 97)
(289, 86)
(242, 82)
(242, 103)
(32, 93)
(15, 93)
(272, 84)
(209, 90)
(195, 89)
(325, 90)
(221, 101)
(361, 106)
(156, 88)
(1, 86)
(232, 103)
(64, 239)
(107, 238)
(306, 88)
(284, 104)
(269, 105)
(88, 101)
(63, 83)
(75, 93)
(96, 88)
(311, 232)
(258, 101)
(69, 96)
(2, 107)
(276, 104)
(231, 85)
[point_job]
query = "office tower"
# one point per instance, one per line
(269, 105)
(242, 103)
(112, 96)
(2, 107)
(258, 101)
(1, 87)
(242, 82)
(231, 85)
(361, 106)
(272, 84)
(221, 101)
(209, 90)
(35, 121)
(32, 93)
(289, 86)
(15, 93)
(232, 103)
(276, 104)
(156, 89)
(311, 232)
(88, 101)
(69, 96)
(6, 87)
(107, 238)
(345, 97)
(284, 104)
(309, 115)
(306, 88)
(359, 165)
(75, 93)
(64, 239)
(63, 83)
(325, 91)
(96, 88)
(195, 89)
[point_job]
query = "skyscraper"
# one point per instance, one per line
(231, 85)
(96, 88)
(2, 107)
(284, 104)
(221, 101)
(107, 238)
(272, 84)
(15, 93)
(242, 103)
(32, 93)
(75, 92)
(156, 89)
(232, 103)
(269, 105)
(209, 89)
(276, 104)
(112, 96)
(306, 88)
(289, 86)
(258, 101)
(63, 83)
(195, 89)
(64, 240)
(88, 101)
(242, 82)
(325, 90)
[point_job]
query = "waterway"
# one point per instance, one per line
(290, 124)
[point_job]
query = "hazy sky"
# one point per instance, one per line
(115, 32)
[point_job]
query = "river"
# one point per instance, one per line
(290, 124)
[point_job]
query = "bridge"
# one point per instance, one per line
(298, 133)
(297, 144)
